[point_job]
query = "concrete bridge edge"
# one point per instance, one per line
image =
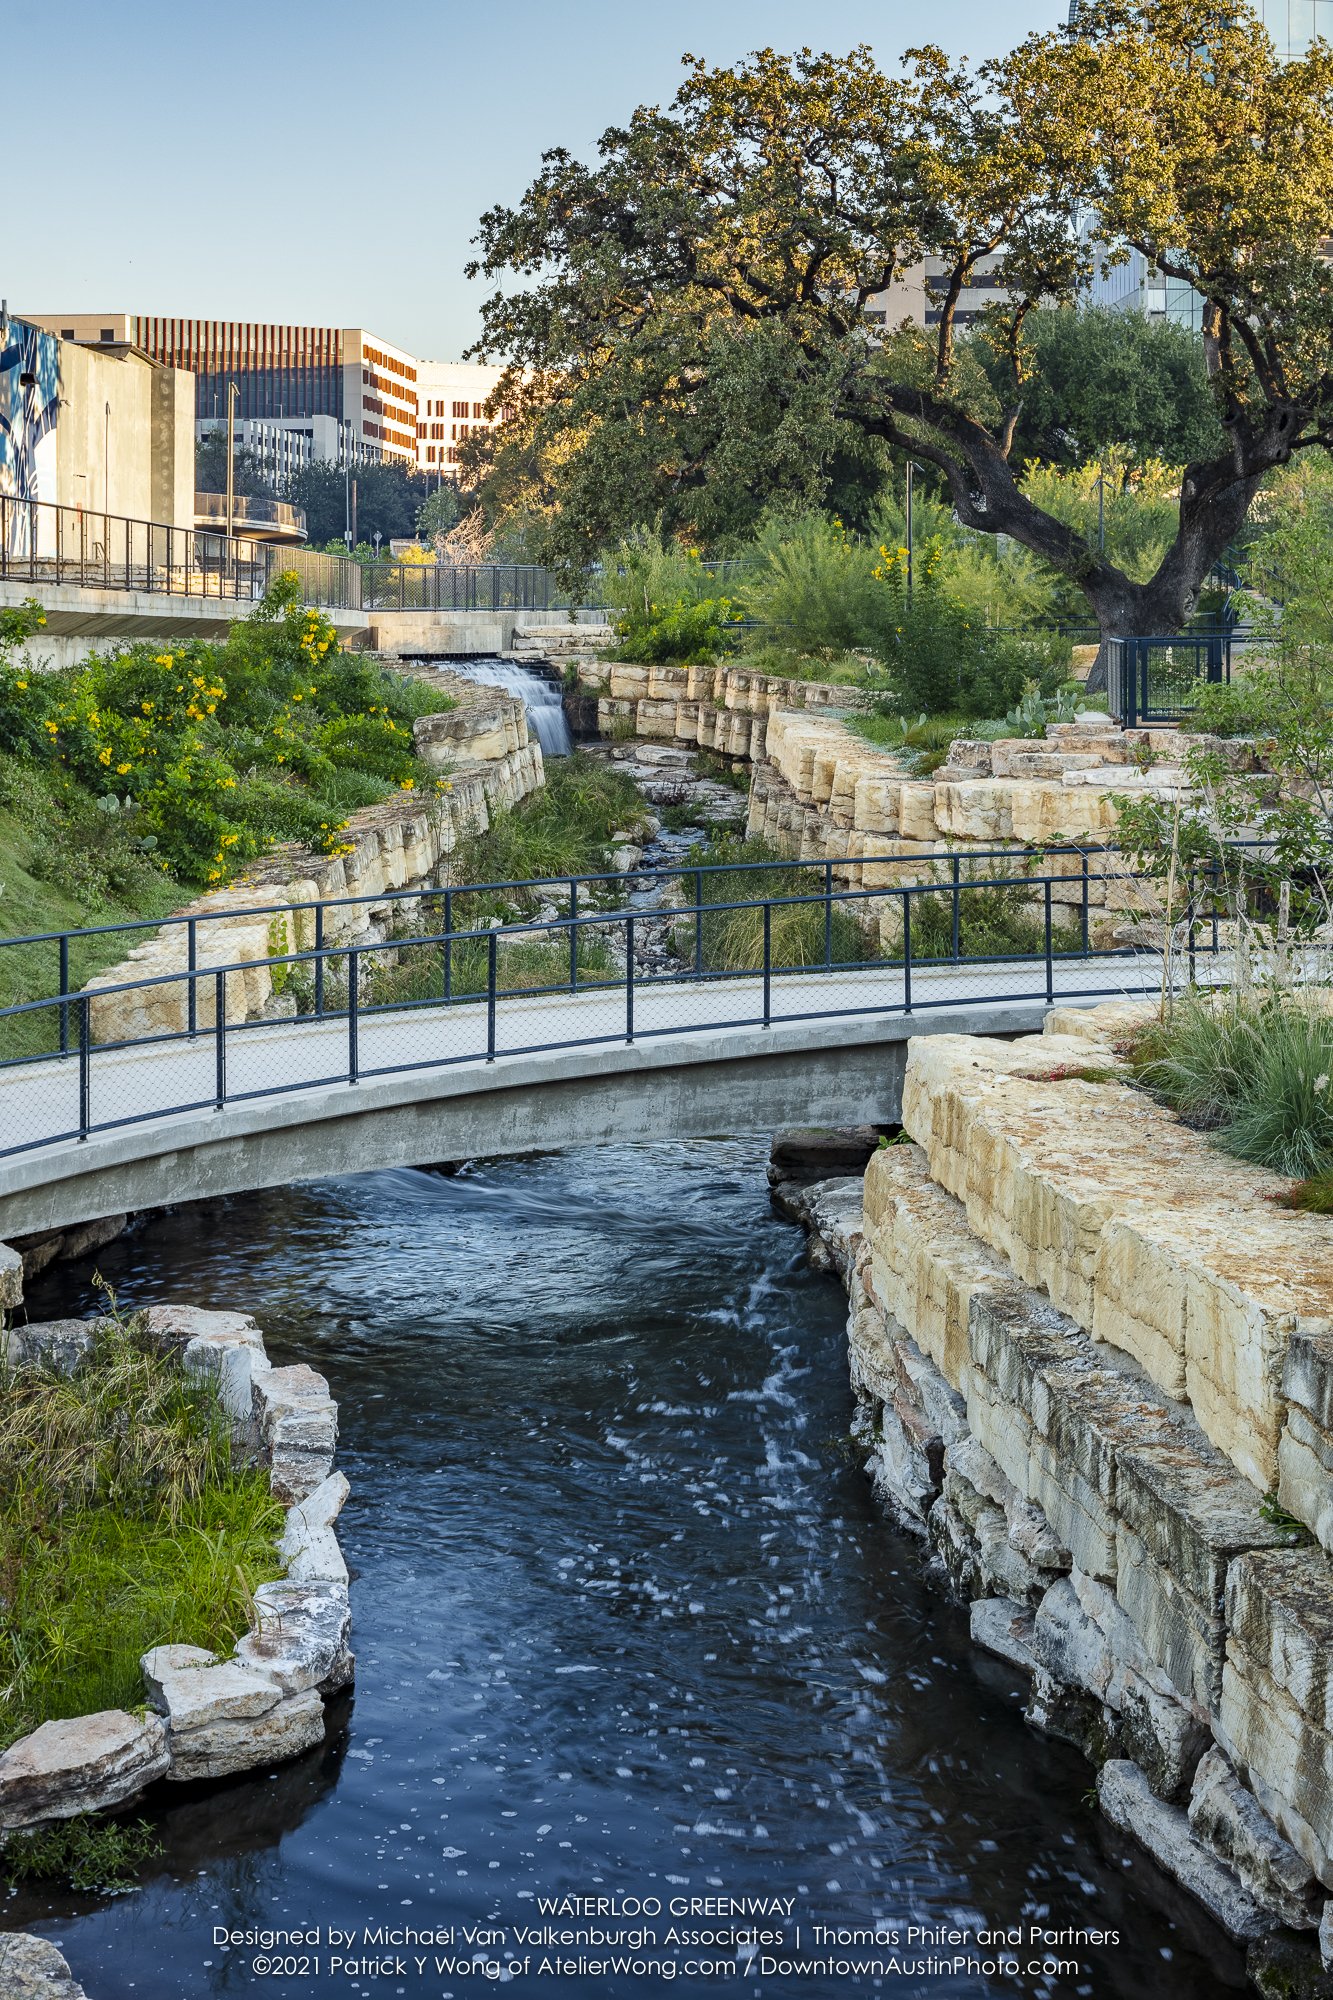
(710, 1085)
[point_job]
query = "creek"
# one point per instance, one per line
(628, 1619)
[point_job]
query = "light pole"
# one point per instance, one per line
(106, 462)
(910, 470)
(1101, 508)
(233, 397)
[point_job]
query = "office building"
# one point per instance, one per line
(452, 399)
(362, 386)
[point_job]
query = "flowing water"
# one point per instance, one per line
(546, 715)
(628, 1620)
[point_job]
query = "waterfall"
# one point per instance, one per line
(546, 715)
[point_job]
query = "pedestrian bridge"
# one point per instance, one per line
(103, 1130)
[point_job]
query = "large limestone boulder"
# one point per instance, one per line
(32, 1969)
(1129, 1802)
(1276, 1714)
(297, 1423)
(87, 1764)
(11, 1278)
(1130, 1223)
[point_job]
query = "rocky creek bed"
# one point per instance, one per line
(629, 1619)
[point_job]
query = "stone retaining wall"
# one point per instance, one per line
(206, 1717)
(1084, 1345)
(720, 707)
(487, 763)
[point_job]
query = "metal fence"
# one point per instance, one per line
(428, 978)
(45, 544)
(1157, 679)
(394, 586)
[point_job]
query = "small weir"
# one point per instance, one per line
(546, 715)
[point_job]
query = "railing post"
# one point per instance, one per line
(629, 979)
(492, 959)
(1050, 948)
(768, 964)
(828, 917)
(1083, 906)
(85, 1065)
(319, 961)
(353, 1017)
(907, 951)
(192, 961)
(698, 923)
(219, 1040)
(573, 934)
(64, 989)
(955, 931)
(448, 944)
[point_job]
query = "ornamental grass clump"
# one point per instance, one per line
(124, 1524)
(1255, 1069)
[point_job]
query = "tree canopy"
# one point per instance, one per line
(689, 325)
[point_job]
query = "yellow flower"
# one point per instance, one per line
(52, 729)
(21, 684)
(104, 756)
(121, 769)
(409, 784)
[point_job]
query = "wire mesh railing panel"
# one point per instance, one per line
(598, 964)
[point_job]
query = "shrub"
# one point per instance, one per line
(811, 584)
(733, 939)
(1002, 922)
(208, 743)
(667, 604)
(940, 658)
(1258, 1071)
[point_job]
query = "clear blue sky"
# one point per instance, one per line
(326, 163)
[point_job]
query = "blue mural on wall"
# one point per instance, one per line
(29, 407)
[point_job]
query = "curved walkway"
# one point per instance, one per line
(565, 1072)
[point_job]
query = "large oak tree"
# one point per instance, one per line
(690, 309)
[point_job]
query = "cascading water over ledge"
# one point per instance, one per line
(546, 715)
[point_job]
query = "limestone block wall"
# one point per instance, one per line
(719, 707)
(1084, 1348)
(401, 843)
(206, 1717)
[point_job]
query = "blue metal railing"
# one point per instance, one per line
(1156, 679)
(444, 991)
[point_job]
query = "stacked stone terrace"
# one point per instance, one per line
(1085, 1347)
(822, 792)
(721, 708)
(486, 761)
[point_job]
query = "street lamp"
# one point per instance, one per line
(106, 460)
(910, 470)
(233, 397)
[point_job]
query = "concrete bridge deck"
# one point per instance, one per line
(701, 1065)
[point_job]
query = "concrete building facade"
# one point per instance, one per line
(452, 398)
(105, 429)
(350, 392)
